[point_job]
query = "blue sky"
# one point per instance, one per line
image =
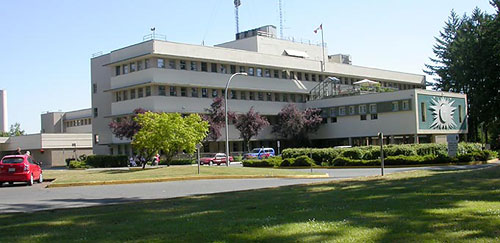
(46, 45)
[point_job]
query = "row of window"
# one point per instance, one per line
(79, 122)
(196, 92)
(226, 68)
(362, 109)
(361, 117)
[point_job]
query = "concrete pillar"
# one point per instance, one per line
(350, 141)
(415, 138)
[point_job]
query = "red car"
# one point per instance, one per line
(219, 158)
(20, 168)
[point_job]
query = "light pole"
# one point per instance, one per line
(225, 112)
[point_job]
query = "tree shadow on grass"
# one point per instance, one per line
(409, 206)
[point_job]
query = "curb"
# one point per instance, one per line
(99, 183)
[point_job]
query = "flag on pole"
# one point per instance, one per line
(153, 29)
(319, 28)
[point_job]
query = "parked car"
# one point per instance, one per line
(20, 168)
(218, 158)
(260, 153)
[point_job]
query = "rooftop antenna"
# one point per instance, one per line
(281, 19)
(237, 3)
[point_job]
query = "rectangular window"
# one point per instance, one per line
(259, 72)
(171, 64)
(125, 95)
(260, 95)
(182, 65)
(333, 119)
(243, 95)
(204, 67)
(374, 116)
(252, 95)
(161, 63)
(146, 64)
(233, 94)
(406, 105)
(284, 74)
(233, 69)
(194, 66)
(173, 91)
(333, 112)
(362, 109)
(162, 91)
(269, 96)
(204, 92)
(292, 75)
(183, 91)
(223, 68)
(117, 70)
(267, 73)
(276, 74)
(285, 97)
(250, 71)
(460, 113)
(213, 67)
(139, 65)
(133, 67)
(125, 69)
(352, 110)
(300, 98)
(148, 91)
(395, 106)
(94, 88)
(306, 76)
(96, 138)
(96, 113)
(373, 108)
(118, 96)
(422, 110)
(194, 92)
(242, 69)
(313, 77)
(140, 92)
(299, 75)
(362, 117)
(342, 111)
(292, 97)
(132, 94)
(214, 93)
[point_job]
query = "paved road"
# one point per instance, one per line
(20, 198)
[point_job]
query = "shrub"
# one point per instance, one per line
(238, 158)
(303, 161)
(465, 157)
(73, 164)
(352, 153)
(287, 162)
(257, 163)
(179, 162)
(106, 161)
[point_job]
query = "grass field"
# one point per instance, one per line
(82, 176)
(429, 206)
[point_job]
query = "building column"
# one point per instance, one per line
(350, 141)
(415, 138)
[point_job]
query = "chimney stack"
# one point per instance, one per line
(3, 111)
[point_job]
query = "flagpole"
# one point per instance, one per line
(322, 48)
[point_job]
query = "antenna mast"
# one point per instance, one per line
(281, 20)
(237, 3)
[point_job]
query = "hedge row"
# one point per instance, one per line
(106, 161)
(328, 155)
(390, 160)
(179, 162)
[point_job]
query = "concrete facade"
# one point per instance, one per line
(175, 77)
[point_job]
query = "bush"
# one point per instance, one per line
(179, 162)
(465, 157)
(352, 153)
(287, 162)
(343, 161)
(257, 163)
(73, 164)
(106, 161)
(303, 161)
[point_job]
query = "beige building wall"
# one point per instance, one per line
(101, 101)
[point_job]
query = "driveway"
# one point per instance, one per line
(20, 198)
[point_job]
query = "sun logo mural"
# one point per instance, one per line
(442, 111)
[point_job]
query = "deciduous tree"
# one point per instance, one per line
(297, 125)
(126, 127)
(216, 118)
(249, 125)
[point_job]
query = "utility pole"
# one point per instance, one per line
(237, 3)
(381, 139)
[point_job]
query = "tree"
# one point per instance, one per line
(126, 127)
(467, 61)
(297, 125)
(249, 125)
(15, 130)
(168, 133)
(216, 118)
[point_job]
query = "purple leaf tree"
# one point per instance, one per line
(295, 124)
(216, 118)
(126, 127)
(249, 125)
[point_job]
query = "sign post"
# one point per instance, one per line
(198, 146)
(452, 140)
(278, 143)
(381, 139)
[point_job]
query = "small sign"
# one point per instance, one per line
(452, 140)
(278, 143)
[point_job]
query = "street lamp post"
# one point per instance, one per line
(225, 111)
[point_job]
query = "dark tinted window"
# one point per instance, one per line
(12, 160)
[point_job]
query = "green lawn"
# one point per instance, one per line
(80, 176)
(452, 206)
